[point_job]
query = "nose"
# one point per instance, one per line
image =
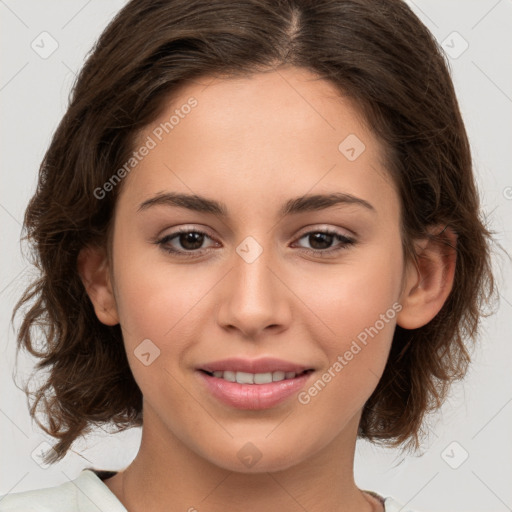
(255, 299)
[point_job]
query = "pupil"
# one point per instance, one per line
(190, 240)
(318, 237)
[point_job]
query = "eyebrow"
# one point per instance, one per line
(305, 203)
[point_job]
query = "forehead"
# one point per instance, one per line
(260, 139)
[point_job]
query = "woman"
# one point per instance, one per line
(260, 239)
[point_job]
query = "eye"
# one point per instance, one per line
(321, 241)
(189, 242)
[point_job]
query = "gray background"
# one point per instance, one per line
(476, 420)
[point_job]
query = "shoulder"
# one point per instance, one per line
(390, 504)
(87, 492)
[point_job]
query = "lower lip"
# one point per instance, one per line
(253, 396)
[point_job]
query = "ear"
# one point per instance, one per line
(94, 271)
(428, 282)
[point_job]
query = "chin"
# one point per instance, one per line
(255, 457)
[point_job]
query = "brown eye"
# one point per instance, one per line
(190, 241)
(184, 242)
(321, 241)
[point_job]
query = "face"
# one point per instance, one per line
(259, 274)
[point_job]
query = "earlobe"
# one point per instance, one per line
(429, 282)
(94, 271)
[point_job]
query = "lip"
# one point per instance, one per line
(253, 396)
(262, 365)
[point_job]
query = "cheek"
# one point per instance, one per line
(165, 304)
(155, 298)
(356, 356)
(350, 298)
(354, 317)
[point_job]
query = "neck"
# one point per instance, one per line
(167, 475)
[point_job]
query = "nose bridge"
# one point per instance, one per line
(255, 298)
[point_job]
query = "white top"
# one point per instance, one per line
(88, 493)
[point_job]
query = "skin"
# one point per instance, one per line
(253, 143)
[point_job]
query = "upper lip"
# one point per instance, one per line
(263, 365)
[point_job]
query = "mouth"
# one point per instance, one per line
(253, 384)
(255, 378)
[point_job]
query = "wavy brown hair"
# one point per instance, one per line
(151, 48)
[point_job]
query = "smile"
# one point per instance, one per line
(254, 378)
(252, 391)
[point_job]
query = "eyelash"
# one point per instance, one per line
(346, 242)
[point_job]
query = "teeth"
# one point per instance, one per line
(231, 376)
(245, 378)
(254, 378)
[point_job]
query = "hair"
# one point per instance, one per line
(150, 49)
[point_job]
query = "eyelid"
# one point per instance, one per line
(176, 231)
(184, 228)
(348, 233)
(306, 230)
(344, 241)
